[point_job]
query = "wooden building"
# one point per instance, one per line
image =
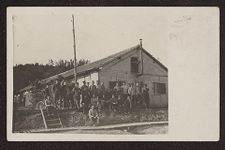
(131, 65)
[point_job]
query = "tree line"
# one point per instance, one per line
(25, 74)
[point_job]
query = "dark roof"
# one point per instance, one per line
(92, 66)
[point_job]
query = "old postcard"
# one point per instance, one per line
(112, 74)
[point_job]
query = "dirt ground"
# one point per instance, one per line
(27, 120)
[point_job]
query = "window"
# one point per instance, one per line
(134, 64)
(159, 88)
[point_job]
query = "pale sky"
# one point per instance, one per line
(40, 36)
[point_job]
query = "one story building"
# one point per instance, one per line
(131, 65)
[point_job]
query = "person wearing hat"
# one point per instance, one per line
(56, 93)
(76, 92)
(145, 95)
(93, 90)
(85, 94)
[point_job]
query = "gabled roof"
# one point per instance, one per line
(94, 65)
(156, 60)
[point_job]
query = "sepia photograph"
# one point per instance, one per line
(121, 93)
(96, 71)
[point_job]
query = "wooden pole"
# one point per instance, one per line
(75, 54)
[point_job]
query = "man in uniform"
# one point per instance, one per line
(145, 95)
(132, 96)
(85, 94)
(138, 95)
(67, 95)
(93, 90)
(118, 95)
(76, 95)
(56, 93)
(88, 84)
(125, 101)
(47, 92)
(101, 93)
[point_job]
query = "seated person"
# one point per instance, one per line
(93, 115)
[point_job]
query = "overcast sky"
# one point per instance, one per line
(40, 36)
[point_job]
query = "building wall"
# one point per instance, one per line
(153, 72)
(88, 78)
(91, 77)
(120, 70)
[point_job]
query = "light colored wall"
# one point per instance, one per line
(152, 72)
(118, 70)
(91, 77)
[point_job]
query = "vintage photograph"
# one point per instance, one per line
(93, 71)
(113, 74)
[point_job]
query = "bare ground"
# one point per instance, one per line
(27, 120)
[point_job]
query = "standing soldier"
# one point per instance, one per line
(101, 93)
(132, 95)
(137, 99)
(67, 95)
(124, 91)
(124, 88)
(129, 96)
(93, 90)
(76, 96)
(100, 88)
(47, 92)
(88, 84)
(56, 93)
(85, 97)
(63, 100)
(118, 95)
(117, 89)
(145, 95)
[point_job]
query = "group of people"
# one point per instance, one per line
(92, 99)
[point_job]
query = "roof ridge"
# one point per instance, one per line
(107, 58)
(128, 49)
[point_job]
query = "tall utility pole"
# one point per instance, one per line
(75, 53)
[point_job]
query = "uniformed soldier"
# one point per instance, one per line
(47, 92)
(124, 88)
(93, 90)
(132, 96)
(118, 95)
(85, 94)
(117, 90)
(62, 94)
(138, 95)
(66, 95)
(100, 90)
(145, 95)
(56, 93)
(76, 95)
(124, 96)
